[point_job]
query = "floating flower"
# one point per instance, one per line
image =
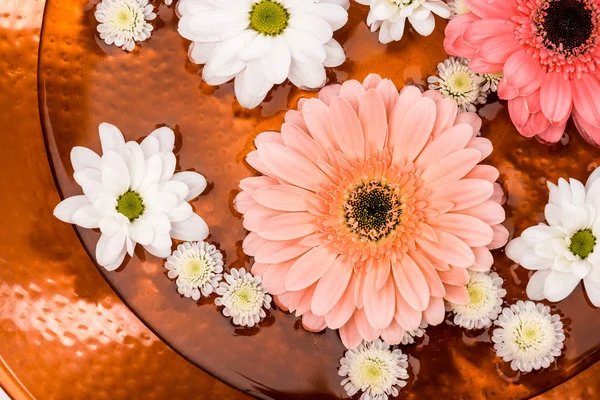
(375, 370)
(243, 297)
(485, 301)
(389, 16)
(566, 250)
(457, 7)
(458, 82)
(262, 43)
(198, 267)
(124, 22)
(409, 337)
(529, 337)
(132, 194)
(491, 82)
(549, 53)
(371, 210)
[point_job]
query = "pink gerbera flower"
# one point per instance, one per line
(372, 209)
(550, 55)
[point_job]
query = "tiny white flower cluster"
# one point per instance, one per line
(456, 81)
(198, 268)
(409, 336)
(528, 337)
(124, 22)
(375, 370)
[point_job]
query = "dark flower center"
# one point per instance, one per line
(583, 243)
(130, 204)
(566, 25)
(373, 210)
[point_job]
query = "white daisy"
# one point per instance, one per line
(529, 337)
(409, 337)
(132, 194)
(457, 81)
(567, 250)
(124, 22)
(262, 43)
(491, 81)
(458, 7)
(389, 16)
(486, 296)
(198, 267)
(243, 297)
(375, 370)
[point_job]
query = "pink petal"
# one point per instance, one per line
(313, 323)
(552, 134)
(255, 182)
(431, 275)
(451, 168)
(478, 32)
(483, 259)
(486, 172)
(453, 41)
(255, 162)
(364, 328)
(352, 91)
(243, 202)
(412, 132)
(498, 48)
(383, 269)
(455, 276)
(372, 81)
(252, 243)
(283, 301)
(347, 129)
(489, 211)
(449, 249)
(471, 119)
(483, 145)
(299, 141)
(457, 294)
(289, 226)
(359, 284)
(332, 286)
(500, 237)
(309, 268)
(473, 231)
(291, 166)
(344, 308)
(389, 93)
(589, 132)
(256, 215)
(373, 119)
(393, 334)
(268, 137)
(411, 283)
(445, 115)
(273, 276)
(316, 115)
(448, 142)
(301, 300)
(465, 193)
(586, 99)
(405, 315)
(435, 312)
(329, 92)
(521, 68)
(349, 335)
(379, 305)
(295, 118)
(555, 97)
(284, 198)
(492, 8)
(409, 96)
(274, 252)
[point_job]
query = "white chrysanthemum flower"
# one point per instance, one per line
(409, 337)
(529, 337)
(261, 43)
(458, 7)
(389, 16)
(486, 296)
(491, 81)
(457, 81)
(132, 194)
(124, 22)
(244, 298)
(198, 267)
(567, 250)
(375, 370)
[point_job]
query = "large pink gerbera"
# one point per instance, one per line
(550, 55)
(372, 209)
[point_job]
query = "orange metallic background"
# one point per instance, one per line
(64, 333)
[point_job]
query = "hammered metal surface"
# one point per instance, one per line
(65, 334)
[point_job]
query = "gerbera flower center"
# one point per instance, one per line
(566, 25)
(269, 17)
(131, 205)
(373, 210)
(583, 243)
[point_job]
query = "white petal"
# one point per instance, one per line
(553, 214)
(82, 157)
(225, 60)
(335, 54)
(66, 208)
(133, 156)
(162, 202)
(150, 146)
(109, 248)
(574, 218)
(382, 10)
(419, 13)
(175, 187)
(166, 138)
(276, 65)
(255, 80)
(309, 76)
(530, 260)
(593, 291)
(159, 221)
(86, 217)
(161, 245)
(438, 7)
(111, 138)
(193, 228)
(111, 224)
(87, 176)
(214, 80)
(182, 211)
(564, 193)
(577, 192)
(195, 182)
(304, 47)
(258, 47)
(115, 175)
(535, 287)
(581, 268)
(424, 27)
(200, 53)
(559, 285)
(311, 24)
(168, 166)
(538, 234)
(118, 261)
(141, 231)
(397, 29)
(242, 95)
(516, 248)
(212, 25)
(153, 172)
(385, 35)
(592, 178)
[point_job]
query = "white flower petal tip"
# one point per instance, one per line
(491, 82)
(409, 337)
(132, 195)
(528, 336)
(261, 43)
(197, 268)
(567, 249)
(243, 297)
(486, 296)
(456, 81)
(124, 22)
(374, 369)
(390, 16)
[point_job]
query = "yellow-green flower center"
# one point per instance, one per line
(583, 243)
(269, 17)
(372, 372)
(197, 270)
(529, 335)
(130, 204)
(125, 19)
(460, 82)
(245, 297)
(477, 295)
